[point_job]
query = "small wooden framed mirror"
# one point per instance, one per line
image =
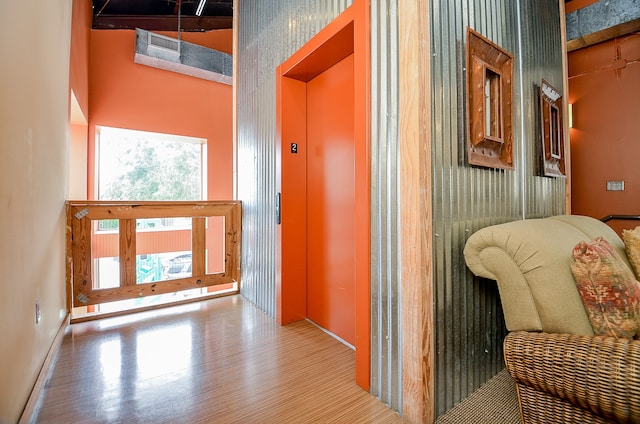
(489, 103)
(552, 131)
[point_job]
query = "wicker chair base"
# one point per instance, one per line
(564, 378)
(541, 408)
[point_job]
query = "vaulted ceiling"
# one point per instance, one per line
(163, 15)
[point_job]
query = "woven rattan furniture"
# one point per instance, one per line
(563, 373)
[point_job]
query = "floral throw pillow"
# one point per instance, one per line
(609, 290)
(632, 247)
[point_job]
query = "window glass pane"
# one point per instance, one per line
(137, 165)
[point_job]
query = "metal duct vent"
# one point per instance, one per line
(174, 55)
(164, 45)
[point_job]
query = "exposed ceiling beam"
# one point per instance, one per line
(601, 21)
(162, 23)
(604, 35)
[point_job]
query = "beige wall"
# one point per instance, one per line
(34, 130)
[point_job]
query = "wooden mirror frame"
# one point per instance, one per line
(489, 103)
(552, 132)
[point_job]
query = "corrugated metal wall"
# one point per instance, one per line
(468, 316)
(541, 59)
(386, 364)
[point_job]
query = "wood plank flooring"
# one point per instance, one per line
(216, 361)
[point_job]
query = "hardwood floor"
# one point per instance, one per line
(216, 361)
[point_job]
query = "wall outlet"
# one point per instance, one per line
(38, 314)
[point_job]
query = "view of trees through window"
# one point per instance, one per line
(135, 165)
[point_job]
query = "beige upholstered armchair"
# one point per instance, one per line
(563, 373)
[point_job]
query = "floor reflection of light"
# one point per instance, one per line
(110, 362)
(110, 368)
(113, 322)
(164, 352)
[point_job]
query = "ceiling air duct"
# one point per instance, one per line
(162, 46)
(179, 56)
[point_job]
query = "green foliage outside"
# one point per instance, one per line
(151, 170)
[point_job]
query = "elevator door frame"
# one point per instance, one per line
(347, 34)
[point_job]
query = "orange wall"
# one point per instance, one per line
(604, 88)
(79, 98)
(128, 95)
(79, 52)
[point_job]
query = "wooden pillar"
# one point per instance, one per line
(416, 212)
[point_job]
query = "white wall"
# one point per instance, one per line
(34, 132)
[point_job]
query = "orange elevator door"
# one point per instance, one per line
(331, 200)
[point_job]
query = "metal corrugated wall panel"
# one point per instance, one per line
(468, 317)
(386, 364)
(467, 330)
(541, 59)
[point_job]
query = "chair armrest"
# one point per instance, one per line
(597, 373)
